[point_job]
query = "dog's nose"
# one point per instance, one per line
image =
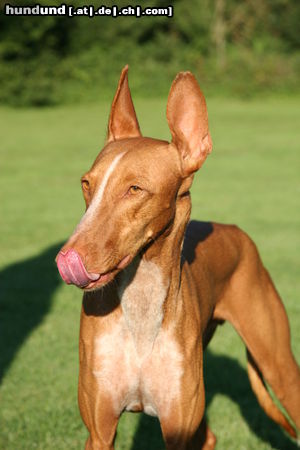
(72, 270)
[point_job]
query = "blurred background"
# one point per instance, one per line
(234, 47)
(58, 76)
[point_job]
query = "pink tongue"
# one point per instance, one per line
(72, 270)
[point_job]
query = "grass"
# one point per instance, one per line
(252, 179)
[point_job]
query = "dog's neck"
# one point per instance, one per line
(150, 284)
(142, 291)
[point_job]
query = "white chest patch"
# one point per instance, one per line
(142, 294)
(138, 363)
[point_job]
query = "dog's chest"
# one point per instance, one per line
(138, 363)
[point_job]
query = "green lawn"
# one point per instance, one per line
(251, 178)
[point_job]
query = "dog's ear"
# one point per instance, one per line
(188, 122)
(122, 120)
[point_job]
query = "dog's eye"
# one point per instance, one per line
(85, 184)
(134, 189)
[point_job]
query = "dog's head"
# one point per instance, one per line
(135, 185)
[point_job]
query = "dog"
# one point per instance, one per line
(156, 287)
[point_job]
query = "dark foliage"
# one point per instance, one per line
(232, 46)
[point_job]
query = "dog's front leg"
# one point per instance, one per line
(98, 414)
(184, 427)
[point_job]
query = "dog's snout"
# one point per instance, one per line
(72, 270)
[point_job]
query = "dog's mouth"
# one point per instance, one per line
(105, 278)
(73, 271)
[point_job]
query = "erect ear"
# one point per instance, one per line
(188, 122)
(122, 120)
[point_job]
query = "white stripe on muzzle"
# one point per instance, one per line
(97, 199)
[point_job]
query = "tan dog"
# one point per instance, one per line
(142, 335)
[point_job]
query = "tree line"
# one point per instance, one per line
(235, 46)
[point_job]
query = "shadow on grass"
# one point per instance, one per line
(222, 375)
(27, 288)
